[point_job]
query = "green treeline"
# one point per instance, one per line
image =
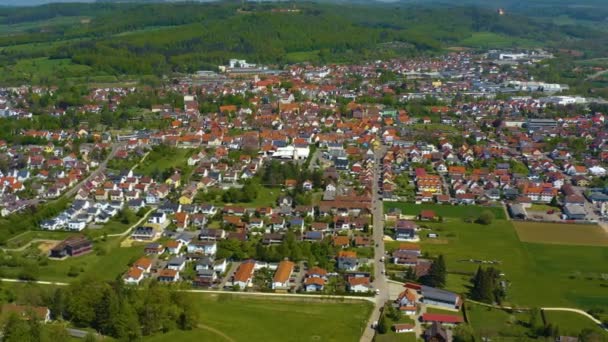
(158, 39)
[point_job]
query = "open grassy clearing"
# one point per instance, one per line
(494, 40)
(571, 324)
(40, 24)
(263, 319)
(444, 210)
(303, 56)
(494, 323)
(39, 69)
(106, 262)
(267, 197)
(393, 336)
(563, 234)
(571, 276)
(160, 161)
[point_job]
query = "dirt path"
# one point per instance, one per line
(580, 312)
(215, 331)
(22, 248)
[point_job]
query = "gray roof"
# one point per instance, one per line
(438, 294)
(574, 209)
(517, 210)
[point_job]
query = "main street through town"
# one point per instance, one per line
(379, 282)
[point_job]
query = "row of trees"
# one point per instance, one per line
(320, 254)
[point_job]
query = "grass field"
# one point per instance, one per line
(538, 274)
(161, 161)
(39, 69)
(303, 56)
(266, 197)
(562, 234)
(542, 207)
(494, 40)
(393, 336)
(263, 319)
(488, 322)
(571, 324)
(444, 210)
(106, 262)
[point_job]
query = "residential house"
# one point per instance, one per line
(280, 281)
(359, 284)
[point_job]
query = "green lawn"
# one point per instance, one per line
(263, 319)
(267, 197)
(160, 161)
(107, 261)
(538, 274)
(393, 336)
(444, 210)
(561, 233)
(195, 335)
(488, 322)
(571, 324)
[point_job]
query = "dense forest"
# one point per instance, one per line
(161, 38)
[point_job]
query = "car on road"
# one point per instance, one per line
(377, 291)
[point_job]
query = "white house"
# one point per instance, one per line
(359, 284)
(76, 225)
(203, 247)
(134, 276)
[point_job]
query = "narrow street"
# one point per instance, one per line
(379, 282)
(98, 171)
(229, 274)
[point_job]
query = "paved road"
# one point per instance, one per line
(39, 282)
(380, 282)
(229, 274)
(101, 168)
(313, 160)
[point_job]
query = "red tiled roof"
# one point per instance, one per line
(283, 271)
(441, 318)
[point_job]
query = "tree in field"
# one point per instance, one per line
(486, 286)
(437, 273)
(382, 325)
(486, 217)
(482, 287)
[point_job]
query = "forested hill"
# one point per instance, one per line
(112, 38)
